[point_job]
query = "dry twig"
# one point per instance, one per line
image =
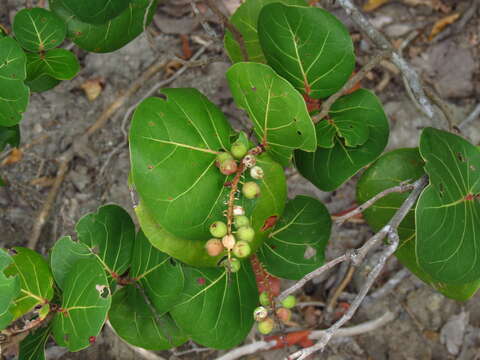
(410, 75)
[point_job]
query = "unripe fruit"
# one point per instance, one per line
(264, 299)
(238, 210)
(228, 241)
(266, 326)
(251, 190)
(228, 167)
(222, 157)
(249, 161)
(214, 247)
(260, 313)
(234, 265)
(240, 221)
(238, 149)
(256, 172)
(284, 314)
(246, 233)
(289, 302)
(218, 229)
(241, 249)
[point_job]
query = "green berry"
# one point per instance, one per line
(251, 190)
(228, 241)
(289, 302)
(238, 149)
(284, 314)
(260, 313)
(218, 229)
(214, 247)
(246, 233)
(222, 157)
(266, 326)
(264, 299)
(241, 249)
(228, 167)
(240, 221)
(234, 265)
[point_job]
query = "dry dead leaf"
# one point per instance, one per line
(371, 5)
(434, 4)
(93, 87)
(44, 181)
(442, 23)
(15, 156)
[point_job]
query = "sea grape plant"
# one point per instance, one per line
(213, 208)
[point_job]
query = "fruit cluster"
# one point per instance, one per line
(261, 314)
(225, 238)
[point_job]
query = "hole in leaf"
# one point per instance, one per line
(309, 252)
(299, 132)
(12, 252)
(441, 188)
(103, 290)
(460, 157)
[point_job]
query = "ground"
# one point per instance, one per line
(427, 325)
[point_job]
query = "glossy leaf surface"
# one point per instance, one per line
(85, 303)
(33, 346)
(221, 303)
(308, 46)
(134, 321)
(110, 234)
(36, 281)
(59, 64)
(448, 210)
(160, 276)
(110, 36)
(38, 29)
(9, 290)
(14, 94)
(278, 112)
(297, 244)
(330, 168)
(96, 11)
(388, 171)
(245, 19)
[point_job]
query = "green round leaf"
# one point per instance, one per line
(85, 303)
(9, 135)
(277, 110)
(388, 171)
(297, 245)
(14, 94)
(110, 234)
(330, 168)
(110, 36)
(36, 281)
(38, 29)
(9, 290)
(173, 147)
(245, 19)
(192, 251)
(160, 276)
(65, 254)
(59, 64)
(448, 210)
(33, 346)
(133, 320)
(308, 46)
(96, 11)
(216, 307)
(42, 83)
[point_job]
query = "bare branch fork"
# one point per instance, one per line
(357, 257)
(412, 80)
